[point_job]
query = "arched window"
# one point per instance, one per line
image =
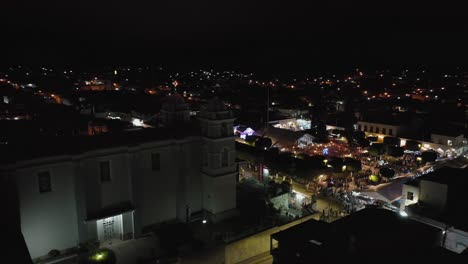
(225, 157)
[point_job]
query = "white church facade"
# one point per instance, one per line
(100, 193)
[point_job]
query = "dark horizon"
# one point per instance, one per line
(261, 36)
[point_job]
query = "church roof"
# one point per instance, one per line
(216, 105)
(174, 102)
(49, 146)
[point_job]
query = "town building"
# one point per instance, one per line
(74, 190)
(366, 236)
(384, 128)
(436, 199)
(448, 139)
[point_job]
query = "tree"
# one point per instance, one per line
(262, 143)
(336, 164)
(363, 142)
(286, 186)
(272, 154)
(412, 145)
(387, 172)
(376, 149)
(429, 156)
(392, 141)
(352, 165)
(358, 134)
(374, 178)
(395, 151)
(316, 162)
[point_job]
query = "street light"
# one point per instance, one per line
(403, 213)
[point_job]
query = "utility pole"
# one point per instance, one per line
(268, 107)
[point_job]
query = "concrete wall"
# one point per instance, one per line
(46, 216)
(189, 187)
(254, 245)
(456, 240)
(154, 191)
(219, 193)
(165, 194)
(127, 226)
(106, 194)
(433, 194)
(91, 231)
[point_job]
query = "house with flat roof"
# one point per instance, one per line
(367, 236)
(437, 198)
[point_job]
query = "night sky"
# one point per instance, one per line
(268, 35)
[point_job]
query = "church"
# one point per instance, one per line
(82, 189)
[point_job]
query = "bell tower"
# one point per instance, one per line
(219, 169)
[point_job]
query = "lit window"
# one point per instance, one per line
(155, 161)
(105, 171)
(410, 196)
(44, 181)
(449, 142)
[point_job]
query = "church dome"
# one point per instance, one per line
(216, 105)
(174, 102)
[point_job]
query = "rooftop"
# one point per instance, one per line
(28, 148)
(363, 234)
(448, 175)
(454, 211)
